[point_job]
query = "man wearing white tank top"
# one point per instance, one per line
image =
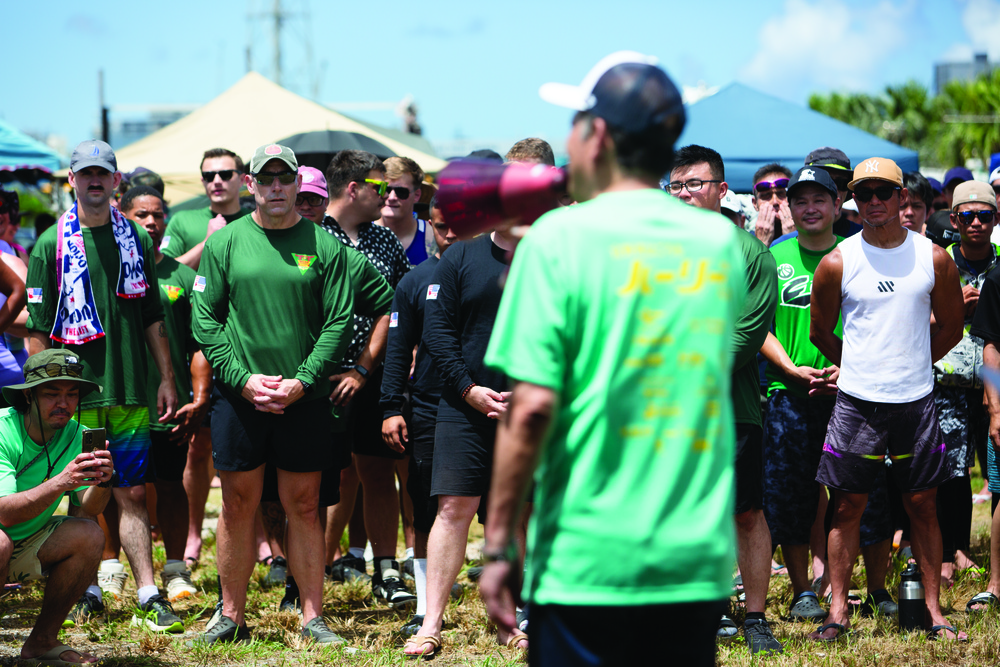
(891, 285)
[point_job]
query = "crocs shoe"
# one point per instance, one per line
(759, 637)
(805, 607)
(177, 581)
(879, 602)
(111, 578)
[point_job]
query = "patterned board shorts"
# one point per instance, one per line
(128, 433)
(24, 563)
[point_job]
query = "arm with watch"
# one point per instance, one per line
(347, 383)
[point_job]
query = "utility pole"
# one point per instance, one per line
(278, 17)
(105, 125)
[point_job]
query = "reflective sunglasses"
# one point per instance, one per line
(380, 186)
(694, 185)
(765, 189)
(224, 174)
(401, 192)
(55, 370)
(968, 217)
(311, 200)
(883, 192)
(284, 177)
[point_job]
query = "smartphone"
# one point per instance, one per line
(94, 438)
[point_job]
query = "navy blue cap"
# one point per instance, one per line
(815, 175)
(960, 173)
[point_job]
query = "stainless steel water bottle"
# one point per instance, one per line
(911, 599)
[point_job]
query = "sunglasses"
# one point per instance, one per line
(883, 192)
(225, 174)
(968, 217)
(401, 192)
(311, 200)
(694, 185)
(765, 189)
(55, 370)
(284, 177)
(380, 186)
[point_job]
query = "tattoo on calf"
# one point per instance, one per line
(163, 330)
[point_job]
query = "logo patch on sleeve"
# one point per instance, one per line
(432, 291)
(393, 320)
(199, 283)
(304, 261)
(164, 242)
(34, 295)
(173, 292)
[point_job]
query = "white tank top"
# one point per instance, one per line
(886, 306)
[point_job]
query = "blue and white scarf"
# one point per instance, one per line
(76, 314)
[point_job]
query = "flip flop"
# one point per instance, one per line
(51, 658)
(841, 632)
(985, 598)
(515, 640)
(933, 635)
(419, 641)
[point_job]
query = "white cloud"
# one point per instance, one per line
(817, 45)
(981, 20)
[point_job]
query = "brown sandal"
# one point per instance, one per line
(516, 639)
(419, 641)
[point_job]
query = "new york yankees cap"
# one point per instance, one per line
(879, 169)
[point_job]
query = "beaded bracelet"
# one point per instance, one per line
(468, 389)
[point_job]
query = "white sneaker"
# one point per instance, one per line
(177, 581)
(111, 578)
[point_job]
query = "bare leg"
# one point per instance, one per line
(842, 551)
(797, 562)
(994, 584)
(925, 536)
(876, 564)
(817, 536)
(134, 532)
(338, 515)
(299, 493)
(196, 484)
(173, 517)
(381, 503)
(108, 521)
(235, 544)
(754, 557)
(263, 547)
(405, 503)
(71, 555)
(273, 516)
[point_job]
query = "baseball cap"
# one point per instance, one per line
(50, 365)
(994, 175)
(268, 152)
(810, 174)
(143, 176)
(935, 185)
(313, 181)
(960, 173)
(877, 168)
(974, 191)
(732, 202)
(93, 153)
(830, 157)
(627, 89)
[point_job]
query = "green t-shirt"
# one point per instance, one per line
(176, 284)
(276, 301)
(624, 306)
(116, 361)
(796, 266)
(17, 450)
(188, 228)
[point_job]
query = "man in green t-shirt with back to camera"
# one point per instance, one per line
(618, 344)
(41, 459)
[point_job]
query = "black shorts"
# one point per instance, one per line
(169, 457)
(297, 441)
(463, 458)
(364, 420)
(418, 483)
(213, 399)
(862, 432)
(749, 468)
(329, 486)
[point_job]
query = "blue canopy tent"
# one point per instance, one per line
(750, 129)
(17, 149)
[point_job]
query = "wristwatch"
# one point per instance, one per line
(111, 480)
(361, 370)
(508, 554)
(306, 386)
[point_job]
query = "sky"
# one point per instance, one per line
(473, 68)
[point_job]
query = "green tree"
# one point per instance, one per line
(971, 121)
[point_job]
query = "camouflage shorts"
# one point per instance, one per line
(964, 422)
(24, 563)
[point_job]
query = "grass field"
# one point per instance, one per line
(373, 639)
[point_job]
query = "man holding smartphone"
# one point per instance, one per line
(40, 460)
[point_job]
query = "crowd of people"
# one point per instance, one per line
(696, 389)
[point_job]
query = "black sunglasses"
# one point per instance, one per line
(883, 192)
(284, 177)
(312, 200)
(224, 174)
(401, 192)
(968, 217)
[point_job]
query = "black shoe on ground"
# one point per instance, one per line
(759, 638)
(412, 627)
(277, 574)
(89, 607)
(879, 602)
(388, 587)
(215, 617)
(474, 572)
(348, 570)
(319, 632)
(224, 631)
(157, 615)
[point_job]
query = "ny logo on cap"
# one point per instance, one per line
(807, 175)
(871, 166)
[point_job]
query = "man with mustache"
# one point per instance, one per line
(92, 289)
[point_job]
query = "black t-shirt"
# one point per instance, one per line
(460, 308)
(986, 321)
(843, 227)
(406, 327)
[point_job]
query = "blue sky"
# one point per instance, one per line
(473, 68)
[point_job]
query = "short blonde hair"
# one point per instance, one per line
(396, 167)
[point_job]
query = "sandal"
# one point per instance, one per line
(841, 632)
(933, 635)
(515, 640)
(419, 641)
(53, 658)
(985, 598)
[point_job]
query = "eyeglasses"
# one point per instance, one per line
(284, 177)
(968, 217)
(883, 192)
(694, 185)
(765, 189)
(225, 174)
(401, 193)
(55, 370)
(311, 200)
(380, 186)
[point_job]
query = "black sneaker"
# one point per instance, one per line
(87, 608)
(407, 567)
(225, 630)
(412, 627)
(157, 615)
(291, 600)
(348, 570)
(215, 617)
(318, 631)
(277, 574)
(757, 634)
(388, 587)
(474, 572)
